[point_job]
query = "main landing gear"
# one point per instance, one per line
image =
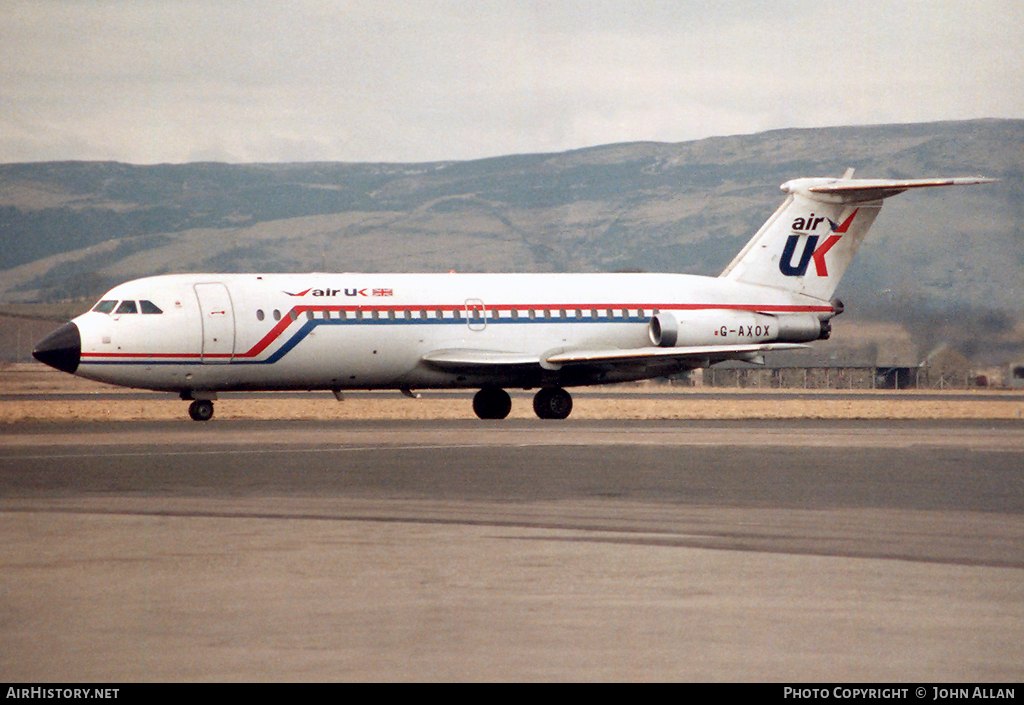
(201, 410)
(548, 403)
(492, 403)
(552, 403)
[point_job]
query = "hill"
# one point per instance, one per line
(73, 229)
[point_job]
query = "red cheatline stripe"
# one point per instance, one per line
(777, 308)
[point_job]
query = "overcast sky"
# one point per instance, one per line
(148, 81)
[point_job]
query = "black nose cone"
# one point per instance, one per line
(61, 349)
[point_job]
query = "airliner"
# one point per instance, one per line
(198, 335)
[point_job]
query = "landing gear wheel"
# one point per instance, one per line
(201, 410)
(492, 403)
(552, 403)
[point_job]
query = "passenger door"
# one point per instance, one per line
(218, 318)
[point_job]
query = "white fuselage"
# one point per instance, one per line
(219, 332)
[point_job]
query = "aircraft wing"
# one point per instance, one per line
(693, 353)
(470, 359)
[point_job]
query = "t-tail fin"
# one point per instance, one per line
(811, 239)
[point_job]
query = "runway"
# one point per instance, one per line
(523, 550)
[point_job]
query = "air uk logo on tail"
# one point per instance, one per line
(812, 250)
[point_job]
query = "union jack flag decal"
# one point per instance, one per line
(383, 292)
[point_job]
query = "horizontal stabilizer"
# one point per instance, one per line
(854, 190)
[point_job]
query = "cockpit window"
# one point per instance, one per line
(108, 306)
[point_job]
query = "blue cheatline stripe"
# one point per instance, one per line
(287, 347)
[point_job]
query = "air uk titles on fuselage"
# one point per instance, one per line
(329, 292)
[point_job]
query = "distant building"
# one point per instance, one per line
(1015, 375)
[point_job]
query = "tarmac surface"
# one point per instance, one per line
(782, 550)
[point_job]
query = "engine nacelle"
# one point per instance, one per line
(801, 329)
(664, 330)
(735, 327)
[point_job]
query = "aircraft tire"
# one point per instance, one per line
(552, 403)
(201, 410)
(492, 403)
